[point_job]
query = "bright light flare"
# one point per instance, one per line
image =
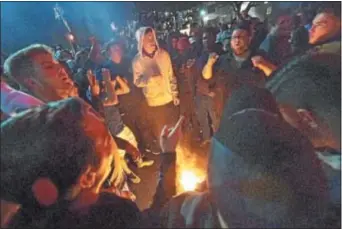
(203, 13)
(113, 26)
(71, 37)
(189, 180)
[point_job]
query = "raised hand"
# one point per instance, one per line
(93, 83)
(176, 101)
(213, 57)
(258, 61)
(170, 136)
(190, 63)
(106, 75)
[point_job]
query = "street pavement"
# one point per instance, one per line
(149, 177)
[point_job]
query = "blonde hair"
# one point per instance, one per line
(20, 65)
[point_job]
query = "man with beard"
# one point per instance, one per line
(234, 69)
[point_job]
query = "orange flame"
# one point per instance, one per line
(190, 171)
(189, 180)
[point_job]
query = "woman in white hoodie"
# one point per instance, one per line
(153, 73)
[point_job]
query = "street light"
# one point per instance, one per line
(203, 13)
(71, 37)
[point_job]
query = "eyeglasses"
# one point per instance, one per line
(238, 37)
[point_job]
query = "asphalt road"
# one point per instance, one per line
(149, 177)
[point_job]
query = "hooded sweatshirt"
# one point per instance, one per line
(154, 74)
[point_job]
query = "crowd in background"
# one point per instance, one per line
(265, 97)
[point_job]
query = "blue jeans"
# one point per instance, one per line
(206, 114)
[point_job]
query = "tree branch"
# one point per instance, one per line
(251, 5)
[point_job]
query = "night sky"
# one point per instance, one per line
(24, 23)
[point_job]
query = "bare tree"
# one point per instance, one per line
(237, 7)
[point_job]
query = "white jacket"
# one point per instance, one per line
(154, 75)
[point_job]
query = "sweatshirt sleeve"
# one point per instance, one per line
(13, 101)
(171, 76)
(138, 75)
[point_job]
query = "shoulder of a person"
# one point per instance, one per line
(112, 201)
(137, 58)
(188, 199)
(188, 204)
(163, 52)
(110, 211)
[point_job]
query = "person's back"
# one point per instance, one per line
(255, 173)
(308, 92)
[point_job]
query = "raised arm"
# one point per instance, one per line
(112, 97)
(207, 71)
(266, 66)
(123, 86)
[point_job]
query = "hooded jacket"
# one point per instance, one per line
(154, 74)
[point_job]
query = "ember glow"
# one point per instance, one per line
(189, 180)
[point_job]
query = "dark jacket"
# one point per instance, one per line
(277, 48)
(230, 74)
(262, 173)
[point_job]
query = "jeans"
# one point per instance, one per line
(206, 114)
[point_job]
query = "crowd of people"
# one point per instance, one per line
(266, 100)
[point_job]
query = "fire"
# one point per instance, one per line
(189, 180)
(191, 166)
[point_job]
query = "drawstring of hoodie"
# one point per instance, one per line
(253, 110)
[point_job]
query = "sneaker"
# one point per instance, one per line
(134, 178)
(155, 152)
(144, 163)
